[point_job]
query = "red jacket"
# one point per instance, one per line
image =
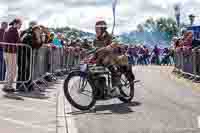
(11, 36)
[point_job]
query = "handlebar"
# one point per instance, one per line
(92, 51)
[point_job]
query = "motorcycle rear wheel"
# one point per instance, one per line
(127, 98)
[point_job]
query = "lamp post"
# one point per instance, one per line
(192, 18)
(177, 14)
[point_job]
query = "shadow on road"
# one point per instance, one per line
(34, 95)
(121, 108)
(13, 97)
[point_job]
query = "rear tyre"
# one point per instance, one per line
(127, 85)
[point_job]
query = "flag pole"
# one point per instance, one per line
(114, 18)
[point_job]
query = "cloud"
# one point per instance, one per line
(84, 13)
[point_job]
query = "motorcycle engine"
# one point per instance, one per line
(100, 82)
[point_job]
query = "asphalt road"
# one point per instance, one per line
(30, 114)
(161, 105)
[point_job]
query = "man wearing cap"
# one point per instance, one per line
(11, 36)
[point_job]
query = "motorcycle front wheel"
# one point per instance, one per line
(82, 96)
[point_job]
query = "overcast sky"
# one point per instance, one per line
(83, 13)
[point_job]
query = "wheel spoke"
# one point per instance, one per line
(125, 89)
(81, 91)
(86, 94)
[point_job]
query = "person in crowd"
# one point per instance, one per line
(146, 55)
(57, 40)
(78, 42)
(141, 55)
(11, 36)
(130, 55)
(86, 44)
(135, 55)
(77, 53)
(187, 40)
(52, 35)
(166, 57)
(62, 39)
(187, 46)
(177, 43)
(171, 55)
(4, 26)
(24, 58)
(156, 55)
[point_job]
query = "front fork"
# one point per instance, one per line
(82, 83)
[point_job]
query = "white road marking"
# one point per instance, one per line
(39, 100)
(25, 124)
(70, 119)
(21, 108)
(61, 125)
(198, 120)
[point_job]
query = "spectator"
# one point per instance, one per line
(51, 38)
(24, 56)
(86, 44)
(57, 40)
(146, 55)
(11, 36)
(4, 26)
(156, 54)
(62, 39)
(141, 55)
(135, 55)
(187, 40)
(130, 55)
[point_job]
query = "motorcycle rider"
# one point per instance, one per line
(105, 56)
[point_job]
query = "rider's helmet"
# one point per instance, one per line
(101, 24)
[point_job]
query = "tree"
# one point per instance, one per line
(150, 25)
(164, 25)
(168, 26)
(140, 28)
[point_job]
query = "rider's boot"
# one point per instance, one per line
(116, 82)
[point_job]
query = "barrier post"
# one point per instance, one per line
(194, 62)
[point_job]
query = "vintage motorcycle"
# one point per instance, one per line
(98, 79)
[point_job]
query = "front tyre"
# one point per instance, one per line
(83, 84)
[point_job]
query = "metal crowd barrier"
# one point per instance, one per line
(188, 62)
(27, 66)
(52, 61)
(15, 64)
